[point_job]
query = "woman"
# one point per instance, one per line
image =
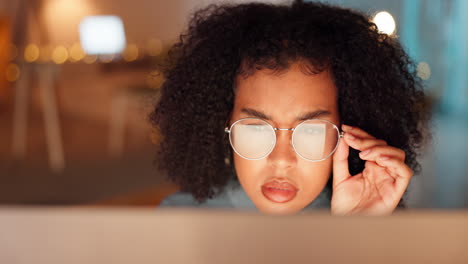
(282, 108)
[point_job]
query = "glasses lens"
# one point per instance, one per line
(252, 138)
(315, 139)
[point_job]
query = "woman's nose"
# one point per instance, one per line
(283, 155)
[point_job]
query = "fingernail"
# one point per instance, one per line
(365, 152)
(346, 127)
(384, 158)
(350, 136)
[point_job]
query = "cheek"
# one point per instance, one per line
(249, 172)
(314, 175)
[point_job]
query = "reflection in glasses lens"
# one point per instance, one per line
(252, 138)
(313, 139)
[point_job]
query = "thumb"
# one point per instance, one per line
(340, 163)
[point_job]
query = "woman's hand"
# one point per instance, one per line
(379, 187)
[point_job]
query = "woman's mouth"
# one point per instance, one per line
(279, 192)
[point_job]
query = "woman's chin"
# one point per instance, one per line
(270, 208)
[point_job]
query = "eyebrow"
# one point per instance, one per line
(302, 117)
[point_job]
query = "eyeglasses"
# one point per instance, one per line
(313, 139)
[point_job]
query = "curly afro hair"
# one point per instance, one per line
(378, 90)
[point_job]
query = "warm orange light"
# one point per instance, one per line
(31, 53)
(62, 17)
(60, 55)
(130, 53)
(76, 52)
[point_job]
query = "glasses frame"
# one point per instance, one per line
(340, 135)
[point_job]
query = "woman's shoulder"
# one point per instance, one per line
(178, 199)
(183, 199)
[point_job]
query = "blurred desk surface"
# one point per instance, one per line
(128, 235)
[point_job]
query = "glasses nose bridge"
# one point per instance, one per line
(277, 128)
(285, 129)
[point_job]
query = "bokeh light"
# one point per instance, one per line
(31, 53)
(76, 52)
(60, 55)
(385, 22)
(423, 70)
(102, 35)
(130, 53)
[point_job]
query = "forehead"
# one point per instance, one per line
(286, 95)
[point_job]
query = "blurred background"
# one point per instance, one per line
(78, 79)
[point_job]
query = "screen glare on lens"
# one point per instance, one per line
(313, 139)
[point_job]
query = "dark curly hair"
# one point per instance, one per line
(378, 90)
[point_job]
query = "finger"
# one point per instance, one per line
(399, 180)
(362, 143)
(398, 168)
(373, 153)
(340, 163)
(356, 131)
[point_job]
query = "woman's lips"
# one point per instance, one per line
(279, 192)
